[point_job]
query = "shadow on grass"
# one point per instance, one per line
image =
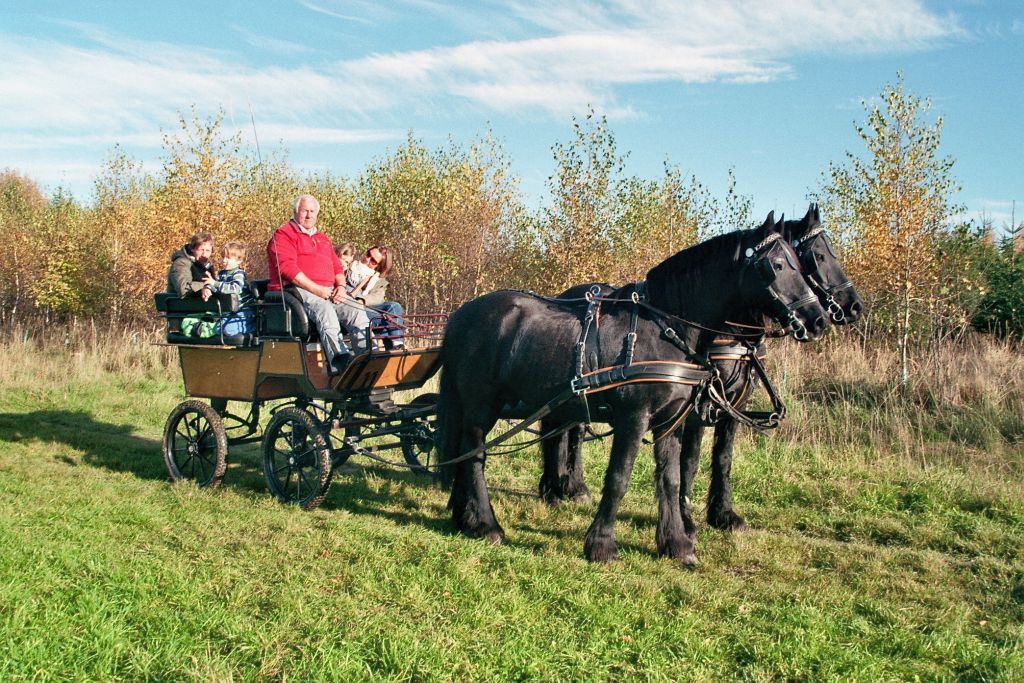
(111, 446)
(115, 447)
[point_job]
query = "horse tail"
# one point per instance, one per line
(449, 427)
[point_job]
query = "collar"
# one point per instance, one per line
(310, 232)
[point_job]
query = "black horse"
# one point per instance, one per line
(508, 348)
(562, 478)
(836, 294)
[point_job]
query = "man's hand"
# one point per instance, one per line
(337, 295)
(205, 293)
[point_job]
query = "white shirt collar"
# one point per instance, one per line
(298, 226)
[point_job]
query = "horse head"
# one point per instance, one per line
(821, 268)
(770, 274)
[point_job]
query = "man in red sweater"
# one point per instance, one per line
(301, 257)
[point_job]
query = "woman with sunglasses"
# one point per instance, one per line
(366, 283)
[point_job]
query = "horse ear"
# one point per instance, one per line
(809, 216)
(817, 214)
(781, 224)
(769, 222)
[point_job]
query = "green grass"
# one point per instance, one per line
(863, 563)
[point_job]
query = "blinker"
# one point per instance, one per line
(789, 259)
(828, 245)
(766, 271)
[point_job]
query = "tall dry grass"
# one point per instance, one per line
(964, 401)
(34, 353)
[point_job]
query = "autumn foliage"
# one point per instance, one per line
(459, 226)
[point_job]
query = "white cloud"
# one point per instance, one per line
(320, 8)
(300, 135)
(123, 85)
(112, 88)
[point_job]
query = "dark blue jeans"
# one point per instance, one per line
(388, 327)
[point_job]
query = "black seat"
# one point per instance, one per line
(220, 305)
(283, 315)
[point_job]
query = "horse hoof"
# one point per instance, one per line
(551, 498)
(601, 551)
(496, 537)
(688, 561)
(682, 549)
(728, 521)
(581, 498)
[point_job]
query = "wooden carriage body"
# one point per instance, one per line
(318, 421)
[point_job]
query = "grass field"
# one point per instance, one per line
(886, 544)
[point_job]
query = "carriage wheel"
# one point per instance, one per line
(195, 444)
(417, 445)
(418, 440)
(296, 458)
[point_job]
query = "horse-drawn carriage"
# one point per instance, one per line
(647, 357)
(318, 420)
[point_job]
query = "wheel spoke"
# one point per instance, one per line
(302, 479)
(193, 427)
(184, 464)
(304, 456)
(202, 466)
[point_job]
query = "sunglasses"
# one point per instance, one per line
(369, 258)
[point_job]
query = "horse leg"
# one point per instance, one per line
(599, 545)
(555, 452)
(563, 466)
(671, 536)
(574, 487)
(470, 503)
(689, 458)
(720, 512)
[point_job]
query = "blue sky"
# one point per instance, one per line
(771, 89)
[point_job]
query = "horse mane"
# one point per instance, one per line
(672, 283)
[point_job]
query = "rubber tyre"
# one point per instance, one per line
(297, 458)
(195, 445)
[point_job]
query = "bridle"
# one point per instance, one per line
(810, 271)
(756, 260)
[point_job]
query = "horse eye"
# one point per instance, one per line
(778, 265)
(821, 257)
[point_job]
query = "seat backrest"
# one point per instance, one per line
(287, 319)
(176, 306)
(219, 307)
(259, 288)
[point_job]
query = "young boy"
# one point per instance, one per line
(231, 280)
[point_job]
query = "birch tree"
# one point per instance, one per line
(890, 209)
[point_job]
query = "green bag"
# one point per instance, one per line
(202, 328)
